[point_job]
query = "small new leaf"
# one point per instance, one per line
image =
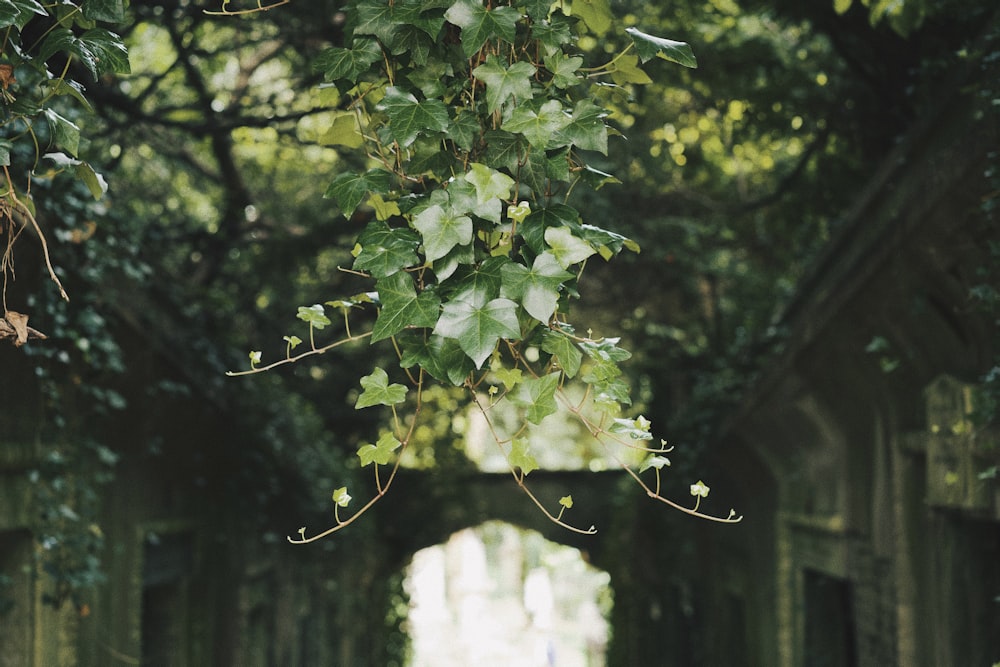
(509, 377)
(379, 453)
(566, 501)
(341, 497)
(378, 391)
(654, 461)
(637, 429)
(521, 458)
(314, 315)
(519, 212)
(699, 490)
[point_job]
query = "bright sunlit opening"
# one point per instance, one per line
(497, 595)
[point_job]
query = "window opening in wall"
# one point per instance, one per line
(501, 595)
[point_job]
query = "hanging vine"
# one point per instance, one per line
(478, 122)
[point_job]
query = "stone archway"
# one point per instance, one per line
(497, 594)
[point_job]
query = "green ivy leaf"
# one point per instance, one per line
(112, 11)
(65, 133)
(441, 357)
(480, 24)
(350, 188)
(563, 69)
(504, 83)
(537, 288)
(521, 458)
(442, 231)
(94, 181)
(99, 50)
(478, 325)
(464, 129)
(605, 349)
(402, 307)
(552, 33)
(386, 250)
(18, 12)
(481, 282)
(637, 429)
(337, 63)
(518, 212)
(653, 461)
(538, 10)
(538, 396)
(700, 489)
(503, 150)
(648, 46)
(604, 374)
(607, 243)
(381, 452)
(314, 315)
(378, 391)
(341, 497)
(567, 502)
(463, 197)
(383, 209)
(103, 52)
(568, 249)
(490, 183)
(445, 267)
(586, 129)
(409, 118)
(508, 377)
(538, 124)
(535, 225)
(374, 17)
(563, 349)
(418, 14)
(595, 13)
(627, 71)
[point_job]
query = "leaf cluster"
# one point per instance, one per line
(477, 122)
(47, 51)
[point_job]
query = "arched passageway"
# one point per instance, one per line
(497, 595)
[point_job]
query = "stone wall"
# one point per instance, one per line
(872, 529)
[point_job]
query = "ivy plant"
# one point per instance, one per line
(49, 53)
(477, 121)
